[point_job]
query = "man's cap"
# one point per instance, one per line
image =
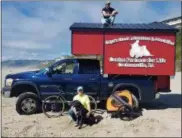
(80, 88)
(108, 2)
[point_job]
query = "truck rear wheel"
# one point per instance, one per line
(27, 103)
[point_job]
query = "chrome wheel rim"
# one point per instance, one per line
(28, 105)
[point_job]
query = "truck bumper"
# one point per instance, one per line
(6, 92)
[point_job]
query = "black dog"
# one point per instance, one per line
(80, 113)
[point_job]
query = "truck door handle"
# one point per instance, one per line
(67, 78)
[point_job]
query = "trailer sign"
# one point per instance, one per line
(139, 38)
(140, 63)
(135, 60)
(139, 53)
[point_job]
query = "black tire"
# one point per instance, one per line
(136, 102)
(29, 96)
(123, 116)
(135, 107)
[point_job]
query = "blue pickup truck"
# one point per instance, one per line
(31, 87)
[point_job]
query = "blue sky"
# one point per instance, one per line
(40, 30)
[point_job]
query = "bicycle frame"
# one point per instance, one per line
(60, 95)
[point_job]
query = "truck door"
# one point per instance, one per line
(89, 76)
(69, 74)
(63, 75)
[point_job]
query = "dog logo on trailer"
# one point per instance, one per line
(138, 51)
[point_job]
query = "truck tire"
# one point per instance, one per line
(136, 102)
(28, 103)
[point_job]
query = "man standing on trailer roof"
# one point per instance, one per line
(109, 14)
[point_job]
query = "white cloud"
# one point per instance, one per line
(143, 12)
(47, 26)
(26, 45)
(173, 11)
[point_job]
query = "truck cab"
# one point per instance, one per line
(67, 74)
(71, 73)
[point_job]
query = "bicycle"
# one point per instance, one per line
(51, 104)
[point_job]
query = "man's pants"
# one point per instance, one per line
(108, 20)
(72, 114)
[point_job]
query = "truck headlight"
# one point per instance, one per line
(9, 82)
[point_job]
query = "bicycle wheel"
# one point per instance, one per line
(93, 103)
(53, 106)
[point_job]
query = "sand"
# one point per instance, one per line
(161, 118)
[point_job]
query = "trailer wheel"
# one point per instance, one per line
(129, 97)
(123, 111)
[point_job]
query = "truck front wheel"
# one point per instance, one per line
(27, 103)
